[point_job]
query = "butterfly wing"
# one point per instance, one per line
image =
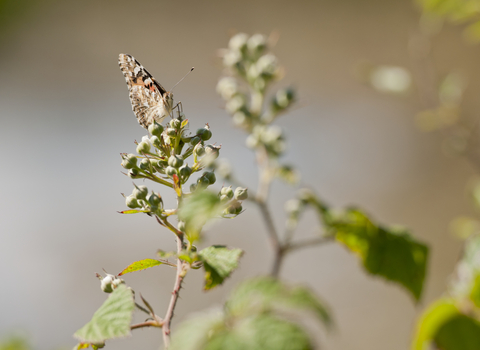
(150, 101)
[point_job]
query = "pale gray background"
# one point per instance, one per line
(65, 117)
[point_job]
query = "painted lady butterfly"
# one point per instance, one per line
(150, 101)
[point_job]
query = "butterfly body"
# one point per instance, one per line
(150, 101)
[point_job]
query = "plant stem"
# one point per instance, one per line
(145, 324)
(176, 289)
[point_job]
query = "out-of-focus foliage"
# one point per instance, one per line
(15, 342)
(257, 316)
(453, 322)
(457, 12)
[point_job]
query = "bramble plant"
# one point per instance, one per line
(254, 317)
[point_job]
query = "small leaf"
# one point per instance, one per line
(269, 294)
(111, 320)
(134, 211)
(219, 262)
(176, 185)
(392, 254)
(140, 265)
(165, 255)
(184, 123)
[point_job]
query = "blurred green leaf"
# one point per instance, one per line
(459, 333)
(15, 342)
(218, 262)
(430, 322)
(392, 254)
(140, 265)
(269, 294)
(261, 332)
(134, 211)
(196, 210)
(111, 320)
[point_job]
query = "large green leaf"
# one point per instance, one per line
(196, 210)
(269, 294)
(261, 332)
(140, 265)
(218, 262)
(111, 320)
(459, 333)
(392, 254)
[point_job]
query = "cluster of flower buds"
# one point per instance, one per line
(248, 60)
(109, 282)
(162, 158)
(232, 200)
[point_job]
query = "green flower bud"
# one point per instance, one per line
(283, 98)
(171, 132)
(144, 164)
(204, 133)
(203, 182)
(133, 173)
(106, 283)
(140, 192)
(195, 140)
(212, 151)
(155, 129)
(241, 193)
(154, 200)
(193, 187)
(110, 282)
(227, 191)
(170, 171)
(224, 198)
(194, 249)
(129, 161)
(252, 141)
(163, 162)
(132, 202)
(176, 161)
(155, 141)
(210, 176)
(185, 171)
(230, 210)
(238, 209)
(175, 123)
(181, 226)
(199, 150)
(143, 147)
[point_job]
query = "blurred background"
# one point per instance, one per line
(65, 117)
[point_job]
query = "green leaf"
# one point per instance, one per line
(459, 333)
(140, 265)
(432, 319)
(193, 334)
(111, 320)
(269, 294)
(261, 332)
(218, 262)
(133, 211)
(196, 210)
(392, 254)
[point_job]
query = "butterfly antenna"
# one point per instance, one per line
(182, 78)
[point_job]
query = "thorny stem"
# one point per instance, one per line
(173, 299)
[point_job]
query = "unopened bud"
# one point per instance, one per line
(204, 133)
(210, 176)
(176, 161)
(129, 161)
(143, 147)
(132, 202)
(227, 191)
(241, 193)
(155, 129)
(140, 192)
